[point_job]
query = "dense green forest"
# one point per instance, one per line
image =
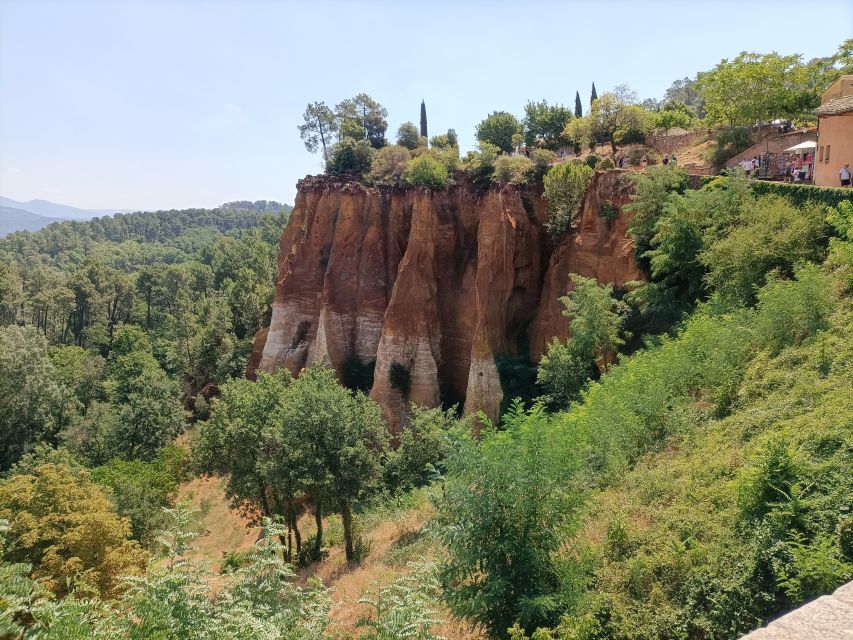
(681, 472)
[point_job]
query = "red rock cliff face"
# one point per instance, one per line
(439, 283)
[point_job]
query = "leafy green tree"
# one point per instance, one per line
(653, 191)
(424, 131)
(563, 374)
(480, 165)
(428, 171)
(141, 490)
(673, 114)
(408, 136)
(596, 319)
(498, 129)
(770, 234)
(509, 505)
(544, 124)
(344, 439)
(565, 188)
(581, 133)
(11, 293)
(614, 115)
(753, 88)
(245, 428)
(66, 527)
(350, 157)
(578, 106)
(319, 127)
(147, 403)
(35, 406)
(452, 138)
(439, 142)
(686, 91)
(423, 446)
(362, 118)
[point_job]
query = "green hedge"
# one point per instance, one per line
(798, 194)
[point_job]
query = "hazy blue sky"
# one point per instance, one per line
(147, 104)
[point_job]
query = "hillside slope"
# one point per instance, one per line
(12, 219)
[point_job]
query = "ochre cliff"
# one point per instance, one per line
(437, 282)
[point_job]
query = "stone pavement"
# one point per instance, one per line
(827, 618)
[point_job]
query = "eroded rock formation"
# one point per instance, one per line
(436, 283)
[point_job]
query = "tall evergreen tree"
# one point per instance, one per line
(593, 96)
(423, 120)
(578, 107)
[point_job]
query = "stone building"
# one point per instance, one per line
(835, 131)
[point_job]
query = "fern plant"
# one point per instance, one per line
(404, 609)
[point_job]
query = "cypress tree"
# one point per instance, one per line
(423, 120)
(593, 95)
(578, 108)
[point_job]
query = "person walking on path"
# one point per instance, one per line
(844, 174)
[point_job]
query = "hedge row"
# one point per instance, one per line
(798, 194)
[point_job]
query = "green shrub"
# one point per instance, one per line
(565, 188)
(428, 171)
(400, 377)
(605, 163)
(608, 211)
(514, 170)
(358, 375)
(770, 234)
(563, 375)
(480, 165)
(591, 160)
(423, 447)
(350, 157)
(389, 166)
(802, 194)
(789, 311)
(542, 161)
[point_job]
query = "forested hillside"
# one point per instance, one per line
(177, 275)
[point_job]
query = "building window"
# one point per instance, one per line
(820, 155)
(826, 158)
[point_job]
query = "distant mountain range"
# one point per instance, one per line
(13, 219)
(35, 214)
(50, 209)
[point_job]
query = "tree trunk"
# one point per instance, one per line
(296, 534)
(318, 518)
(346, 518)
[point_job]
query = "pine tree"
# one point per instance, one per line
(593, 96)
(578, 107)
(423, 120)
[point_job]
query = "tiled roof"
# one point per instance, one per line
(827, 618)
(835, 106)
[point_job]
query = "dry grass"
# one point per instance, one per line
(392, 541)
(224, 530)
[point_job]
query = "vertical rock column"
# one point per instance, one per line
(411, 330)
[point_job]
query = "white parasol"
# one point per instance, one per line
(808, 144)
